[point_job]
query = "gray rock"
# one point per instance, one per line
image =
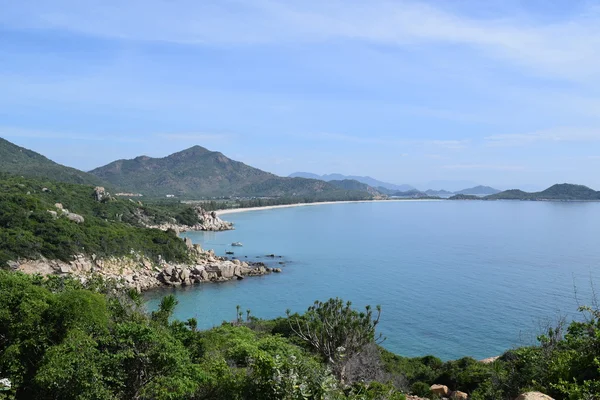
(188, 243)
(65, 269)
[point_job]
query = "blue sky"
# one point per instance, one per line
(505, 93)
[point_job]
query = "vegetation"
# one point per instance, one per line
(198, 173)
(32, 226)
(562, 191)
(21, 161)
(59, 339)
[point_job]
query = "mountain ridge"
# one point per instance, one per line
(374, 183)
(17, 160)
(198, 172)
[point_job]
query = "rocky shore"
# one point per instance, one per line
(140, 273)
(209, 221)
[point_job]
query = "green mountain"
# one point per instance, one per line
(352, 184)
(479, 190)
(198, 172)
(18, 160)
(563, 191)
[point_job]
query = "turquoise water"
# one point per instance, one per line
(453, 278)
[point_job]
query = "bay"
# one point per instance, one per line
(454, 278)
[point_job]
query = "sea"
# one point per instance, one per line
(453, 278)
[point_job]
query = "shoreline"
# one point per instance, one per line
(247, 209)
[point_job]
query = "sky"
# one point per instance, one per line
(499, 92)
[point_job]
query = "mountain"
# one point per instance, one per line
(414, 193)
(363, 179)
(351, 184)
(18, 160)
(439, 193)
(198, 172)
(563, 191)
(479, 190)
(450, 185)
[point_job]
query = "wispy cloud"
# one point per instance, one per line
(566, 49)
(195, 136)
(487, 167)
(565, 134)
(13, 132)
(448, 144)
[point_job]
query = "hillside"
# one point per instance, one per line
(21, 161)
(198, 172)
(58, 220)
(479, 190)
(563, 191)
(362, 179)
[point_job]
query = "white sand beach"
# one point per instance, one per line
(239, 210)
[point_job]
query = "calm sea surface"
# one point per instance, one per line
(454, 278)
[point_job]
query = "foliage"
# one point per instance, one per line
(336, 331)
(110, 228)
(20, 161)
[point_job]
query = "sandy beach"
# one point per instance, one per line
(239, 210)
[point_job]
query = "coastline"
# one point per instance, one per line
(240, 210)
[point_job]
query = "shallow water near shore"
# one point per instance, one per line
(454, 278)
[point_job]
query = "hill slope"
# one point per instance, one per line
(18, 160)
(198, 172)
(479, 190)
(563, 191)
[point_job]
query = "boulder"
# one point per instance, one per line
(184, 275)
(204, 275)
(75, 218)
(227, 270)
(53, 213)
(99, 193)
(276, 270)
(65, 269)
(442, 390)
(534, 396)
(188, 243)
(489, 360)
(59, 206)
(168, 270)
(457, 394)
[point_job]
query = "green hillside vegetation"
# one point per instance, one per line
(60, 340)
(199, 173)
(480, 190)
(21, 161)
(112, 227)
(564, 191)
(464, 197)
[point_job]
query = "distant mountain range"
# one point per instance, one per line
(197, 172)
(192, 173)
(372, 182)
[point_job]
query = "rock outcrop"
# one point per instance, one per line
(458, 395)
(534, 396)
(209, 221)
(441, 390)
(141, 273)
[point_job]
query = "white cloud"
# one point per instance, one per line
(487, 167)
(10, 132)
(195, 136)
(564, 134)
(449, 144)
(565, 49)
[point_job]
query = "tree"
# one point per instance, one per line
(336, 331)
